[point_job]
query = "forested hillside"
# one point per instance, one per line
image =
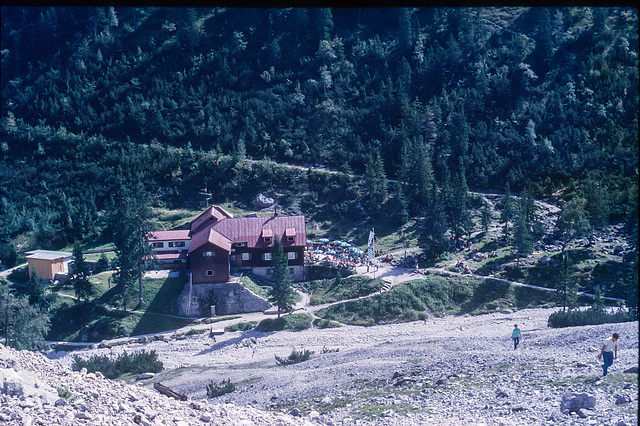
(440, 99)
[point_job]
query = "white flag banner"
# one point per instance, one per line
(370, 251)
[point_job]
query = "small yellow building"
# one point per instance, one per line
(47, 264)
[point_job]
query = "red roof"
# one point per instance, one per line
(250, 230)
(212, 236)
(220, 228)
(181, 234)
(171, 255)
(212, 214)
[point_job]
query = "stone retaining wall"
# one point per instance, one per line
(228, 298)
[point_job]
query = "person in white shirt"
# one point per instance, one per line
(609, 352)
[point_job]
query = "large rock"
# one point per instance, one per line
(11, 383)
(575, 401)
(262, 201)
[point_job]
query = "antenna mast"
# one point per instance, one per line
(206, 193)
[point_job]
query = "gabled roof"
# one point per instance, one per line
(251, 230)
(212, 236)
(212, 214)
(180, 234)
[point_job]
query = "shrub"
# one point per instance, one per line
(241, 326)
(294, 322)
(295, 357)
(112, 368)
(323, 323)
(195, 331)
(64, 393)
(219, 389)
(218, 319)
(590, 316)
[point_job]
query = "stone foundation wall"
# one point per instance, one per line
(228, 298)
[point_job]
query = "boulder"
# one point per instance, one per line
(622, 399)
(544, 260)
(503, 393)
(263, 201)
(145, 376)
(12, 383)
(576, 401)
(631, 370)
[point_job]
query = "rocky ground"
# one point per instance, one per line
(459, 370)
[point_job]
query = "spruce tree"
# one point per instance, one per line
(130, 223)
(80, 276)
(281, 294)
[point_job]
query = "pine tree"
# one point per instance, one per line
(432, 239)
(281, 293)
(80, 276)
(458, 215)
(401, 205)
(486, 216)
(567, 286)
(522, 239)
(23, 325)
(404, 29)
(374, 186)
(130, 224)
(507, 213)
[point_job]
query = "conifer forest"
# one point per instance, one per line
(413, 108)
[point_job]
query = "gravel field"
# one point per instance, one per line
(453, 370)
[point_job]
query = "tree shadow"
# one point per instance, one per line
(235, 340)
(165, 302)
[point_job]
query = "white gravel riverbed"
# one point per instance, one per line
(453, 370)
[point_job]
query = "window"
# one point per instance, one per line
(210, 273)
(267, 239)
(266, 256)
(176, 243)
(246, 256)
(291, 271)
(232, 257)
(291, 255)
(157, 245)
(291, 238)
(239, 245)
(208, 253)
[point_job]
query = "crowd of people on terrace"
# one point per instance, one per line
(334, 253)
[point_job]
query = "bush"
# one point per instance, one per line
(219, 389)
(241, 326)
(295, 357)
(590, 316)
(139, 362)
(323, 323)
(195, 331)
(294, 322)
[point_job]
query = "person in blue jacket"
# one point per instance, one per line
(515, 336)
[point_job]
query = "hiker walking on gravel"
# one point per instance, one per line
(609, 352)
(515, 335)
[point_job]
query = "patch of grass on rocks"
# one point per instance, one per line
(337, 289)
(241, 326)
(293, 322)
(437, 295)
